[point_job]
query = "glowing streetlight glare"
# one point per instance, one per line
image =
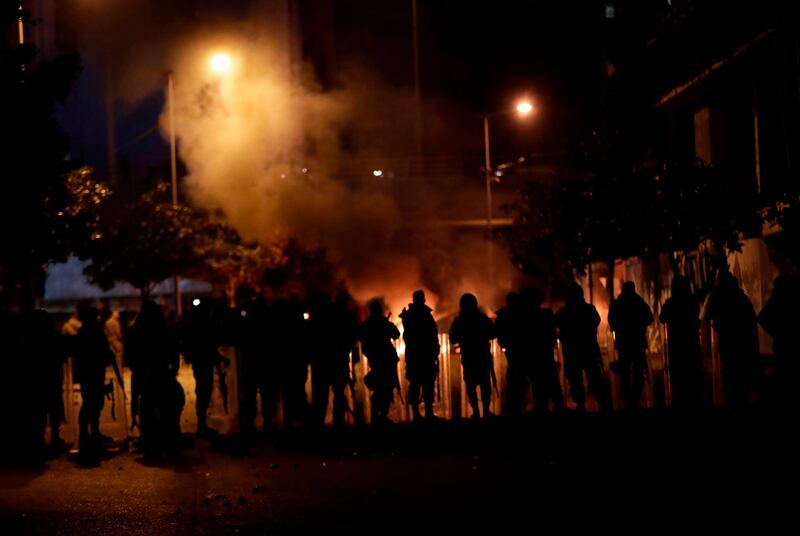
(221, 63)
(196, 302)
(524, 107)
(377, 173)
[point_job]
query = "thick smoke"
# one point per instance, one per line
(277, 157)
(265, 153)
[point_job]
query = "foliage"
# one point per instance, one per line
(782, 212)
(147, 242)
(606, 202)
(228, 260)
(33, 155)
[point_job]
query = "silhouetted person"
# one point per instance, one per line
(473, 332)
(780, 317)
(289, 342)
(733, 318)
(681, 314)
(113, 331)
(421, 336)
(200, 343)
(51, 355)
(91, 356)
(153, 347)
(577, 324)
(540, 324)
(322, 357)
(510, 329)
(253, 354)
(629, 317)
(376, 334)
(344, 354)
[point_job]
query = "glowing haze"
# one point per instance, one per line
(244, 133)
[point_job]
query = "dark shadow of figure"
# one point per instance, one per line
(577, 324)
(256, 365)
(339, 352)
(91, 355)
(629, 317)
(199, 342)
(527, 333)
(32, 393)
(733, 318)
(50, 355)
(472, 331)
(152, 347)
(681, 314)
(542, 335)
(780, 317)
(376, 334)
(321, 355)
(421, 336)
(290, 342)
(510, 336)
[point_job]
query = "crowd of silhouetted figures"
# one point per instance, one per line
(278, 341)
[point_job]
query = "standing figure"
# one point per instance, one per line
(152, 346)
(321, 356)
(344, 355)
(376, 334)
(734, 319)
(629, 317)
(472, 331)
(113, 330)
(51, 355)
(540, 325)
(511, 338)
(577, 324)
(421, 336)
(253, 353)
(91, 355)
(681, 314)
(780, 317)
(199, 343)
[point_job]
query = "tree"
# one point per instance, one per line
(782, 213)
(33, 158)
(228, 260)
(608, 201)
(147, 242)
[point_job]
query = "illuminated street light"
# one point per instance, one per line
(523, 108)
(377, 172)
(221, 63)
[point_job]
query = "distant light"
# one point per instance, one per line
(306, 316)
(243, 313)
(196, 302)
(283, 175)
(377, 172)
(524, 108)
(498, 173)
(304, 170)
(221, 63)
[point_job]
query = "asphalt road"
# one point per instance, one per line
(621, 474)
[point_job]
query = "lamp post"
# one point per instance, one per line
(220, 63)
(523, 108)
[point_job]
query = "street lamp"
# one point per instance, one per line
(222, 64)
(523, 108)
